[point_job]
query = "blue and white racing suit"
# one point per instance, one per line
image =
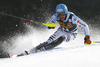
(68, 27)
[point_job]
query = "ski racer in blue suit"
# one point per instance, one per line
(67, 31)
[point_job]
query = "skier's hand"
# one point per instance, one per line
(49, 27)
(87, 40)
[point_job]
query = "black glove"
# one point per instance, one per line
(50, 27)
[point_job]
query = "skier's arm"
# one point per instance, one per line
(85, 27)
(53, 18)
(51, 23)
(81, 23)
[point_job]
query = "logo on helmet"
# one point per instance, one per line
(60, 10)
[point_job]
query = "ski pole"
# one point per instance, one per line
(17, 17)
(29, 20)
(96, 41)
(93, 42)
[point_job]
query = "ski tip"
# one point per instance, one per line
(12, 56)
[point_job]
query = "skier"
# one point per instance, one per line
(67, 31)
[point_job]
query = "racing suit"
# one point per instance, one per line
(68, 27)
(66, 32)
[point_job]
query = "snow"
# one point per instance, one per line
(72, 54)
(86, 56)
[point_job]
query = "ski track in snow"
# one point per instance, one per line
(71, 54)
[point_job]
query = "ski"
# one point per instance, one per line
(43, 50)
(28, 53)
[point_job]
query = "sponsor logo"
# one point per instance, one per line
(64, 25)
(60, 10)
(78, 21)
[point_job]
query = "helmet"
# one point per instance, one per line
(61, 8)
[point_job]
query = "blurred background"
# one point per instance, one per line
(13, 13)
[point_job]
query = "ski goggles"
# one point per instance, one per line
(61, 14)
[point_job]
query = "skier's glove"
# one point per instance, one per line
(87, 40)
(49, 27)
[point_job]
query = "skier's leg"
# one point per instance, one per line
(46, 46)
(55, 43)
(55, 36)
(54, 40)
(70, 36)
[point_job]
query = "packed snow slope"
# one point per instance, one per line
(71, 54)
